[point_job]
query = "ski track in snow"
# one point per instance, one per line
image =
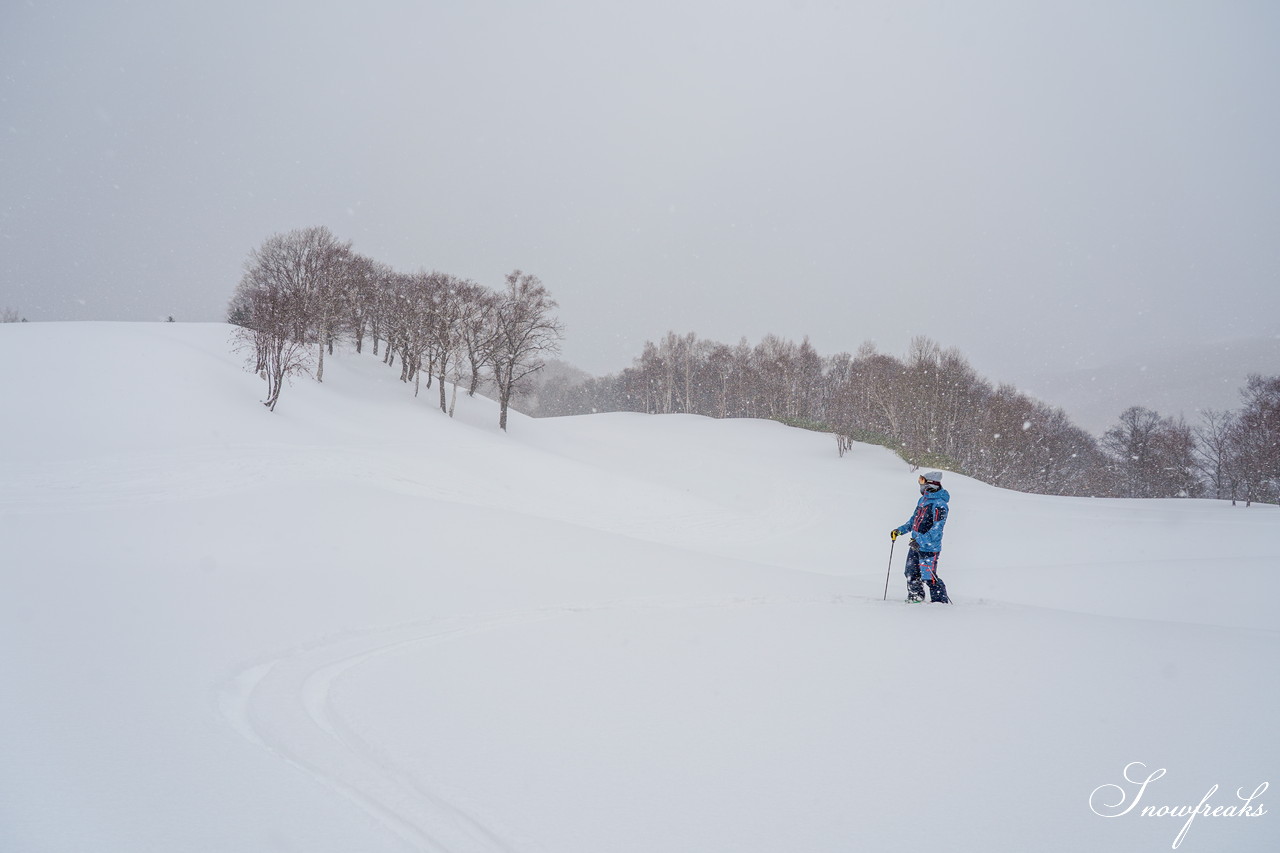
(283, 704)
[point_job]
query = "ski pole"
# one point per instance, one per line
(889, 569)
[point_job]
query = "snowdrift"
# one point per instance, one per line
(356, 624)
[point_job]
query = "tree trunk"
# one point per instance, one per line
(274, 384)
(504, 379)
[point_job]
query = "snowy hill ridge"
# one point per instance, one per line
(356, 624)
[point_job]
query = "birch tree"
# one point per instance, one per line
(525, 330)
(269, 311)
(476, 319)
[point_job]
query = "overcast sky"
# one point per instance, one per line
(1043, 185)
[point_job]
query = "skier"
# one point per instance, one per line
(925, 526)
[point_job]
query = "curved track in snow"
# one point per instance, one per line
(283, 704)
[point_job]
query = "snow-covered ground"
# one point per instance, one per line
(356, 626)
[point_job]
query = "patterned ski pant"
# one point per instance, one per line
(923, 565)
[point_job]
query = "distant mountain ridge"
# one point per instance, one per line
(1173, 381)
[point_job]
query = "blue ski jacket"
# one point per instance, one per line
(927, 521)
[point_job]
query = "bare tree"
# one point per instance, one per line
(289, 297)
(1256, 439)
(1152, 455)
(266, 317)
(476, 319)
(1132, 445)
(719, 368)
(305, 271)
(446, 341)
(411, 323)
(881, 397)
(941, 389)
(9, 315)
(328, 283)
(1214, 450)
(364, 278)
(524, 331)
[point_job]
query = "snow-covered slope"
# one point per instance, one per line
(358, 625)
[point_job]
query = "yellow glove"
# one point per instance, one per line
(893, 535)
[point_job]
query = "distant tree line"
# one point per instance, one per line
(935, 410)
(1238, 452)
(305, 290)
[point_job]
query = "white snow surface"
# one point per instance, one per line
(356, 625)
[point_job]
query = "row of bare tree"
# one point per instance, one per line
(304, 290)
(1238, 452)
(935, 409)
(1231, 455)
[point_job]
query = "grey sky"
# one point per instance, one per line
(1042, 185)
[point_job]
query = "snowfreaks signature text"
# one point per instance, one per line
(1099, 801)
